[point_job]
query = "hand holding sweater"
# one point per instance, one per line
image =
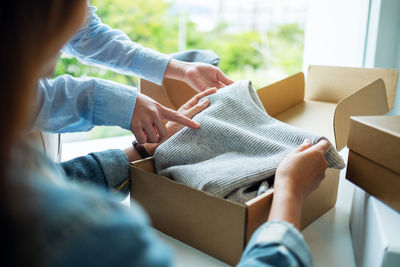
(297, 176)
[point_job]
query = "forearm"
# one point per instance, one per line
(286, 205)
(100, 45)
(108, 169)
(68, 104)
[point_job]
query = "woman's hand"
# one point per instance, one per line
(147, 120)
(303, 169)
(297, 176)
(199, 76)
(189, 110)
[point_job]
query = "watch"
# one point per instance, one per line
(140, 149)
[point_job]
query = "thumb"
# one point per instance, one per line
(199, 107)
(223, 78)
(323, 146)
(306, 144)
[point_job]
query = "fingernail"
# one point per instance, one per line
(307, 142)
(205, 101)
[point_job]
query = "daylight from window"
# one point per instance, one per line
(258, 40)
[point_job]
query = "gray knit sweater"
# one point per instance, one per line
(237, 147)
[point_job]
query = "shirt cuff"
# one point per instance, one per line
(115, 166)
(114, 104)
(151, 65)
(282, 233)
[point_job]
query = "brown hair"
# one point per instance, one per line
(29, 29)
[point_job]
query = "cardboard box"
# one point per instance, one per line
(375, 232)
(377, 180)
(374, 157)
(377, 138)
(222, 228)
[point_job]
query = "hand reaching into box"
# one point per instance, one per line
(189, 110)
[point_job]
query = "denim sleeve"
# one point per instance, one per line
(108, 169)
(82, 226)
(68, 104)
(278, 244)
(116, 240)
(98, 44)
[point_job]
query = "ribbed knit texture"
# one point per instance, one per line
(236, 148)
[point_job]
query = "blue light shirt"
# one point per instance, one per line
(67, 104)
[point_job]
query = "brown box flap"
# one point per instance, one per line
(370, 100)
(377, 138)
(374, 179)
(313, 116)
(283, 94)
(190, 215)
(172, 93)
(276, 97)
(331, 84)
(156, 92)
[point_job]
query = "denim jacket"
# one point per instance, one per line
(79, 222)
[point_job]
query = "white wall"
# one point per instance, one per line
(335, 32)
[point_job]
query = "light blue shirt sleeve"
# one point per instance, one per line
(68, 104)
(98, 44)
(278, 244)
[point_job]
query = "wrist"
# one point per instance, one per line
(133, 154)
(175, 70)
(284, 188)
(287, 204)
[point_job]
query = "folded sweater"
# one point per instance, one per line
(237, 147)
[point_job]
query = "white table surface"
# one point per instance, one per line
(328, 237)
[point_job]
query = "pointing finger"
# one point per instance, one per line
(194, 100)
(171, 115)
(197, 108)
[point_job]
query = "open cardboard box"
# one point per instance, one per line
(222, 228)
(374, 157)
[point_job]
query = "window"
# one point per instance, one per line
(257, 40)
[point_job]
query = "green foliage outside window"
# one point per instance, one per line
(259, 56)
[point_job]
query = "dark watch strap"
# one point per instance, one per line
(140, 149)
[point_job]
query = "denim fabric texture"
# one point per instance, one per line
(278, 244)
(80, 223)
